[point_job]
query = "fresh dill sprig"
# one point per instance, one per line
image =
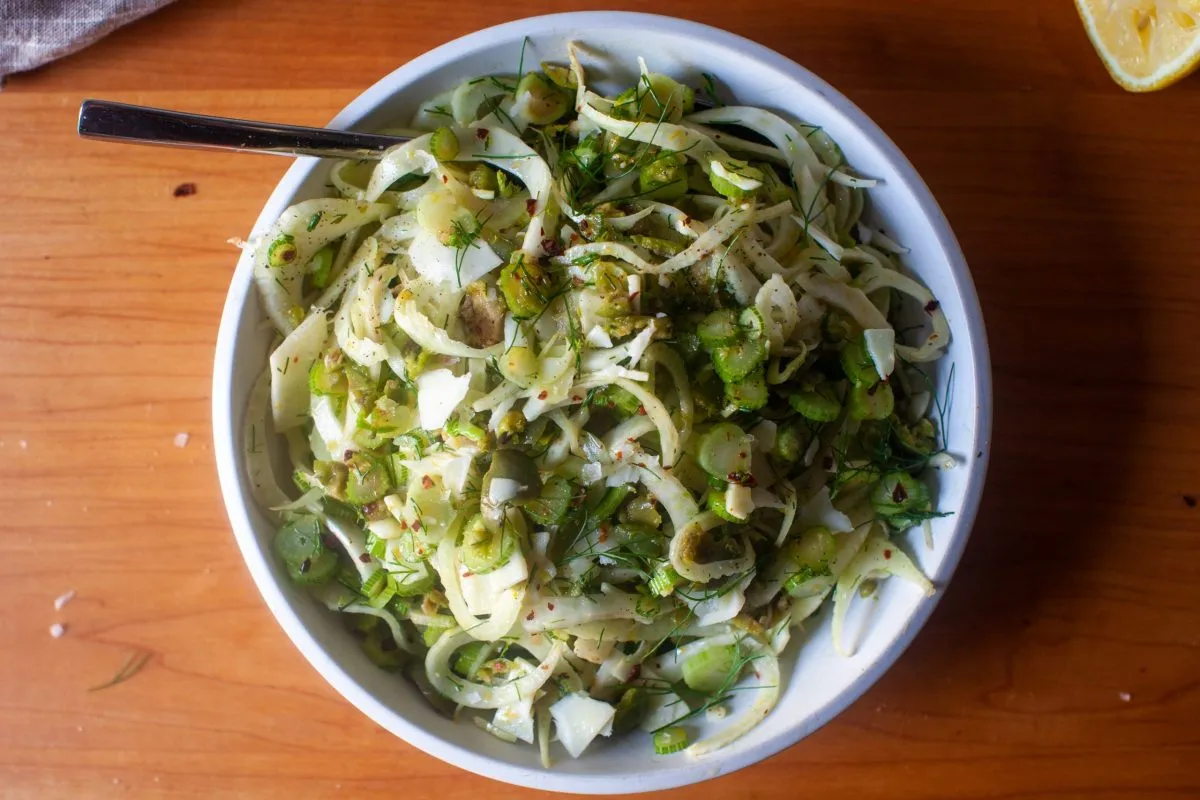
(521, 60)
(134, 664)
(710, 89)
(463, 236)
(742, 659)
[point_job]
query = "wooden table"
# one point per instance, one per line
(1064, 660)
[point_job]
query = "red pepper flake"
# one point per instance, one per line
(531, 206)
(932, 306)
(543, 394)
(641, 410)
(481, 134)
(620, 456)
(887, 553)
(185, 190)
(346, 456)
(635, 671)
(329, 541)
(364, 558)
(468, 574)
(416, 526)
(576, 398)
(427, 481)
(741, 479)
(550, 606)
(899, 495)
(295, 359)
(603, 537)
(445, 179)
(529, 617)
(551, 247)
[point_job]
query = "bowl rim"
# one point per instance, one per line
(227, 449)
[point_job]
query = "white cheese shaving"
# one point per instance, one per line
(591, 473)
(438, 393)
(502, 490)
(578, 719)
(456, 472)
(881, 346)
(435, 261)
(57, 630)
(819, 510)
(516, 719)
(739, 501)
(596, 337)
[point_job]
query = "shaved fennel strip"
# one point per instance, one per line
(478, 695)
(264, 486)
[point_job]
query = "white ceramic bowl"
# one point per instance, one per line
(819, 683)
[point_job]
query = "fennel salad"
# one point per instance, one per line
(590, 401)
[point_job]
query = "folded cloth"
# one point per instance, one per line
(35, 32)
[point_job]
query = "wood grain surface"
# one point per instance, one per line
(1064, 660)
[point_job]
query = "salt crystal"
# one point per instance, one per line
(63, 599)
(24, 444)
(57, 630)
(181, 440)
(1125, 696)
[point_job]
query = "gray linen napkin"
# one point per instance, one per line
(35, 32)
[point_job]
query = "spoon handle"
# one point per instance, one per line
(101, 119)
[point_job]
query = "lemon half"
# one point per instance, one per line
(1145, 44)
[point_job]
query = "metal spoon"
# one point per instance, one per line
(120, 122)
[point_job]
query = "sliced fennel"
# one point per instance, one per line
(590, 401)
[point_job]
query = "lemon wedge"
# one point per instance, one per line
(1145, 44)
